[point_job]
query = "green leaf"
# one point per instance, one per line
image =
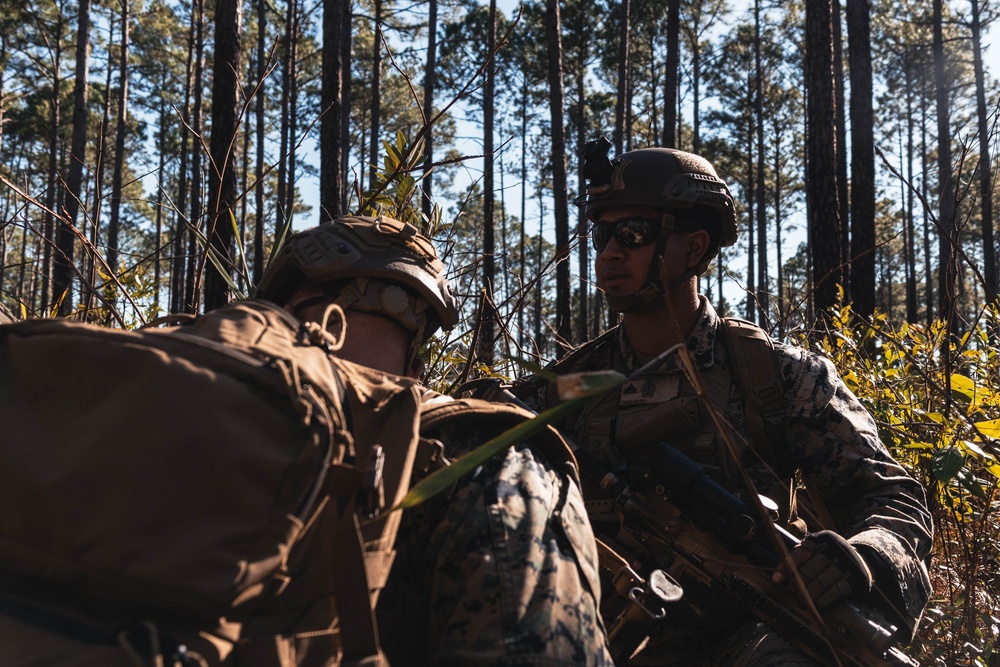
(972, 484)
(444, 478)
(405, 187)
(947, 462)
(240, 252)
(534, 368)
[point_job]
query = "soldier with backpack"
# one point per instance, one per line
(502, 568)
(216, 493)
(746, 409)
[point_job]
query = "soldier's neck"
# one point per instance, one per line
(655, 330)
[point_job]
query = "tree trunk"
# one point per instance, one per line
(583, 249)
(3, 94)
(553, 30)
(623, 70)
(750, 307)
(862, 158)
(778, 220)
(178, 265)
(225, 126)
(947, 231)
(670, 77)
(332, 151)
(430, 81)
(117, 175)
(346, 40)
(925, 190)
(841, 124)
(376, 101)
(65, 238)
(244, 274)
(260, 135)
(696, 99)
(539, 341)
(293, 112)
(98, 193)
(282, 214)
(762, 277)
(197, 200)
(985, 166)
(49, 295)
(161, 149)
(911, 252)
(487, 324)
(524, 201)
(697, 21)
(821, 174)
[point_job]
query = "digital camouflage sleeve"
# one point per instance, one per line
(881, 509)
(828, 436)
(501, 571)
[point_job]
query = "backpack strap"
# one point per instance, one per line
(346, 563)
(439, 418)
(755, 366)
(384, 419)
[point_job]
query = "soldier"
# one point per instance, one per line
(502, 569)
(659, 218)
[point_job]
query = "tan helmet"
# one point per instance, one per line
(683, 185)
(664, 178)
(364, 253)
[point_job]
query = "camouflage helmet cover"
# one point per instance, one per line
(663, 178)
(363, 247)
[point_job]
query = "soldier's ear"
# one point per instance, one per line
(698, 242)
(416, 368)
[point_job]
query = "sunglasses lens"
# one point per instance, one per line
(630, 233)
(600, 235)
(634, 232)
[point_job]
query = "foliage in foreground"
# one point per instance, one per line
(935, 400)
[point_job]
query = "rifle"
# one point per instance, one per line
(705, 539)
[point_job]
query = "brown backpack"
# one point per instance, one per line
(183, 496)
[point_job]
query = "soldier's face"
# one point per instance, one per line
(622, 269)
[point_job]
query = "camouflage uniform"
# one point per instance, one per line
(829, 439)
(500, 571)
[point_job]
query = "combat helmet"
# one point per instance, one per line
(683, 185)
(378, 265)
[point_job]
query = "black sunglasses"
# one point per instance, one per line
(630, 232)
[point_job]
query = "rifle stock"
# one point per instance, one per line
(708, 539)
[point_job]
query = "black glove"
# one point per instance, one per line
(834, 570)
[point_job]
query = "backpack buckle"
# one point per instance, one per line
(372, 497)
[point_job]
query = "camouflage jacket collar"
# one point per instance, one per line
(701, 342)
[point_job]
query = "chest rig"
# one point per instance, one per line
(742, 387)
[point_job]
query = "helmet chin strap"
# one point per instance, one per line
(651, 292)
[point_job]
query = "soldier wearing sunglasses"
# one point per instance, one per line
(751, 409)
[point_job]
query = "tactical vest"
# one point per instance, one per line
(623, 426)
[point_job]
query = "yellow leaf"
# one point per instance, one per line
(990, 428)
(963, 385)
